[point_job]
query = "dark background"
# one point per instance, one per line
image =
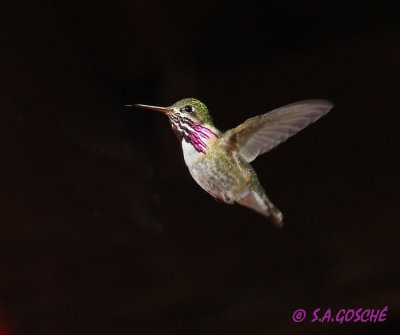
(102, 229)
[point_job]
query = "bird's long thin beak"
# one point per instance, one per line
(165, 110)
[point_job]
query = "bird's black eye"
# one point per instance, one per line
(187, 109)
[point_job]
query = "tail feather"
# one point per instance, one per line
(262, 205)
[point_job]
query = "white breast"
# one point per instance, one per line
(190, 154)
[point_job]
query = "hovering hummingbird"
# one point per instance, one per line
(220, 161)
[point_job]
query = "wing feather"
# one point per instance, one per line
(262, 133)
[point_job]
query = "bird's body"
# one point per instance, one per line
(225, 176)
(219, 162)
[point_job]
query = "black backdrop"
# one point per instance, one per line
(102, 229)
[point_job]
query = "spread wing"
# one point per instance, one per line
(262, 133)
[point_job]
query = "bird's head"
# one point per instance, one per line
(190, 120)
(189, 108)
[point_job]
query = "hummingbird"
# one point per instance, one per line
(220, 161)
